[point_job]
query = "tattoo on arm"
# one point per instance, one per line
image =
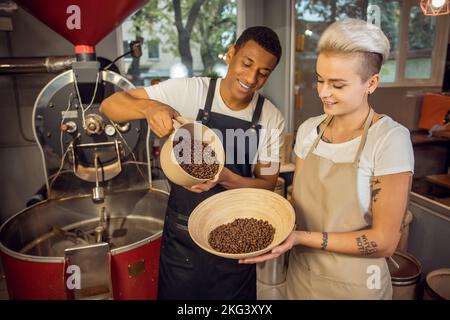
(324, 244)
(375, 189)
(365, 246)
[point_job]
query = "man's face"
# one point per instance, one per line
(248, 70)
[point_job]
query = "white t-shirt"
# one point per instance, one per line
(388, 150)
(188, 95)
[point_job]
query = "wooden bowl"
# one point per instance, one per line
(189, 129)
(229, 205)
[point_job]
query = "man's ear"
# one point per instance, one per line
(230, 53)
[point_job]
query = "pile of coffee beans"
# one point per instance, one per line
(242, 236)
(209, 165)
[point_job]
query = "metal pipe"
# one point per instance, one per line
(52, 64)
(98, 144)
(100, 229)
(98, 194)
(98, 234)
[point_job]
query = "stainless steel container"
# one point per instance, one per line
(273, 272)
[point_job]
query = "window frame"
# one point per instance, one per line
(437, 58)
(148, 58)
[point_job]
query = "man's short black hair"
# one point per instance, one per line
(263, 36)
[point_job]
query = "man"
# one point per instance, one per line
(231, 103)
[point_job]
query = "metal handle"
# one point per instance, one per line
(394, 262)
(97, 193)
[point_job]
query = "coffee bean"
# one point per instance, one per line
(242, 236)
(208, 166)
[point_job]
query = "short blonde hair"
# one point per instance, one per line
(357, 36)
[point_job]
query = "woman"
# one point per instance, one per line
(352, 177)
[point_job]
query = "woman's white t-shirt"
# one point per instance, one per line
(388, 150)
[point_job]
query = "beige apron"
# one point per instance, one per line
(326, 200)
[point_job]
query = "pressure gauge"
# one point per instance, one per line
(110, 130)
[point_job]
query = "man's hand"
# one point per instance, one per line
(135, 104)
(207, 185)
(159, 117)
(202, 187)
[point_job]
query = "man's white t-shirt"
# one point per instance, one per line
(188, 95)
(388, 150)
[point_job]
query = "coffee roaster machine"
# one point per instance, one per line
(97, 234)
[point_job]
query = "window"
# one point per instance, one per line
(421, 38)
(418, 42)
(153, 49)
(125, 46)
(386, 14)
(424, 43)
(213, 30)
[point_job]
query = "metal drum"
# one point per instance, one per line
(33, 244)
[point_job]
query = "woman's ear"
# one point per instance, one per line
(230, 53)
(373, 83)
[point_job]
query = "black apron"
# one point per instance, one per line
(186, 271)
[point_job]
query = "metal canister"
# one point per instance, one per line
(405, 275)
(273, 272)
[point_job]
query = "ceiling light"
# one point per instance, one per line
(435, 7)
(437, 3)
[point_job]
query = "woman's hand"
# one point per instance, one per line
(276, 252)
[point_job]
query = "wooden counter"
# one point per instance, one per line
(442, 180)
(423, 138)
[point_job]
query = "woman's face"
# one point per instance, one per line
(339, 83)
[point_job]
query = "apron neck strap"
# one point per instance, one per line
(209, 99)
(364, 135)
(258, 110)
(326, 122)
(363, 138)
